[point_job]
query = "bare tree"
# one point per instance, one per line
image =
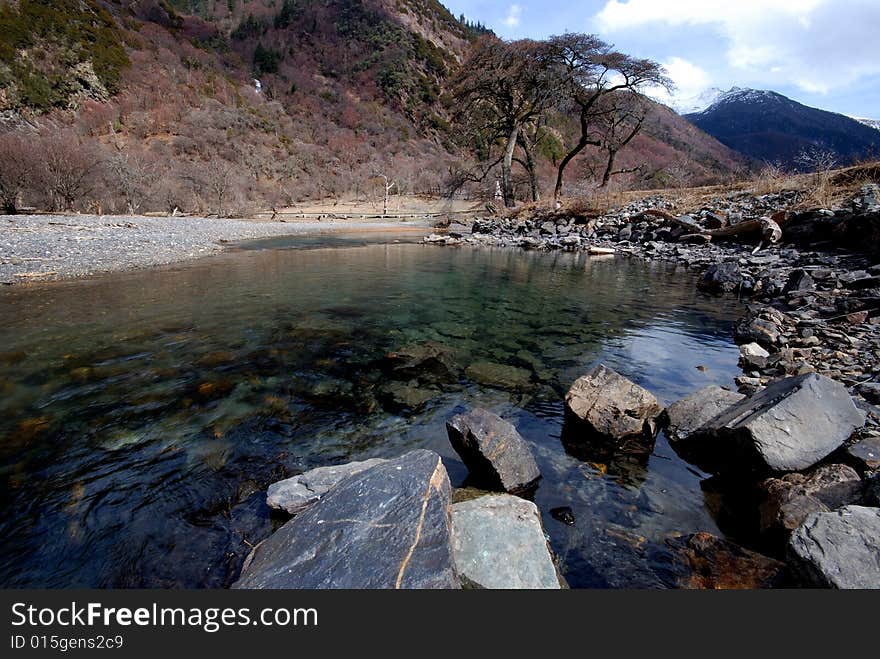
(619, 126)
(131, 175)
(588, 70)
(66, 165)
(501, 89)
(17, 170)
(218, 179)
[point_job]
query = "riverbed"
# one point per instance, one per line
(143, 414)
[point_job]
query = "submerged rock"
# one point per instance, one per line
(789, 500)
(495, 453)
(498, 542)
(431, 362)
(704, 561)
(386, 527)
(501, 376)
(295, 494)
(691, 412)
(611, 407)
(789, 426)
(839, 549)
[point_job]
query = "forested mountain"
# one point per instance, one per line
(237, 104)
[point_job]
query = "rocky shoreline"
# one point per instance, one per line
(795, 454)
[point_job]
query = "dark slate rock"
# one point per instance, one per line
(386, 527)
(839, 549)
(721, 278)
(789, 426)
(495, 453)
(865, 454)
(692, 412)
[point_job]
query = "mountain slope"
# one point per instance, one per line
(161, 98)
(770, 127)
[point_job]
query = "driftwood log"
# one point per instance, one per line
(768, 228)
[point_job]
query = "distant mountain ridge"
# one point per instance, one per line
(774, 128)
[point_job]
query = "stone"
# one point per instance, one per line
(799, 281)
(752, 354)
(611, 407)
(428, 361)
(789, 426)
(839, 549)
(500, 376)
(404, 397)
(496, 455)
(788, 500)
(866, 453)
(498, 542)
(692, 412)
(457, 230)
(295, 494)
(721, 278)
(870, 391)
(704, 561)
(386, 527)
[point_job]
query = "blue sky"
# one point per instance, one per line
(825, 53)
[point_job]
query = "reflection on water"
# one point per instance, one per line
(143, 415)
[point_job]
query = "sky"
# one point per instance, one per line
(823, 53)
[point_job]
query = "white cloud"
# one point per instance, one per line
(689, 79)
(818, 45)
(513, 15)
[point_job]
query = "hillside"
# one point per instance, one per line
(226, 106)
(770, 127)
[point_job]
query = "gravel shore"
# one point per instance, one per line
(44, 247)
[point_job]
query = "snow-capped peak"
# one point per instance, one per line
(873, 123)
(714, 96)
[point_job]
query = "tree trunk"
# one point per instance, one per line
(530, 168)
(609, 168)
(507, 166)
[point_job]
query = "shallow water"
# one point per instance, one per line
(143, 415)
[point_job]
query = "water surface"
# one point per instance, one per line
(143, 415)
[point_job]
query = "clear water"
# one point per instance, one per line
(143, 415)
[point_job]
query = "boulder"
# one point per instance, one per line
(611, 407)
(498, 542)
(691, 412)
(839, 549)
(789, 426)
(385, 527)
(721, 278)
(787, 501)
(752, 354)
(295, 494)
(495, 453)
(704, 561)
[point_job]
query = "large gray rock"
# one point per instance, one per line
(498, 542)
(608, 405)
(687, 415)
(789, 426)
(386, 527)
(787, 501)
(866, 453)
(495, 453)
(839, 549)
(295, 494)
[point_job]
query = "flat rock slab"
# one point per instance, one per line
(789, 426)
(704, 561)
(839, 549)
(495, 453)
(608, 405)
(385, 527)
(498, 542)
(295, 494)
(692, 412)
